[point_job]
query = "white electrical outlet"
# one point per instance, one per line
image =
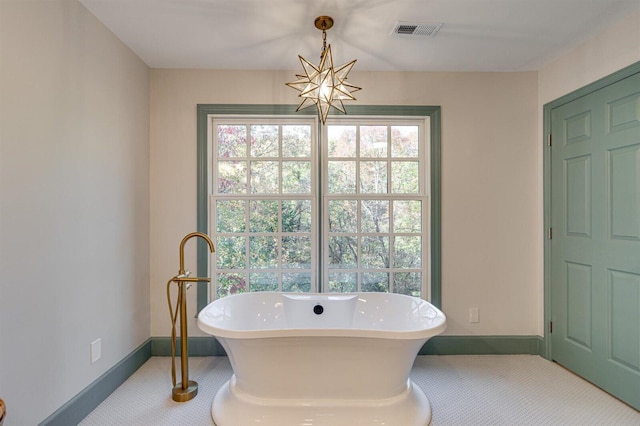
(95, 350)
(474, 315)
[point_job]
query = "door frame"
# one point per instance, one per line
(546, 350)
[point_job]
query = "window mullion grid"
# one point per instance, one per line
(246, 196)
(392, 237)
(391, 234)
(247, 231)
(322, 206)
(280, 232)
(391, 270)
(358, 234)
(279, 237)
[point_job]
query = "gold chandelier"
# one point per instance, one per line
(324, 86)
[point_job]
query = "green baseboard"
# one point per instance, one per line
(88, 399)
(198, 346)
(78, 407)
(483, 345)
(438, 345)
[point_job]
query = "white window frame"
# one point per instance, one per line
(423, 195)
(214, 196)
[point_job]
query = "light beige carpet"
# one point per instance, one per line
(463, 390)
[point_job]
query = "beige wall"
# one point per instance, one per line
(490, 228)
(74, 209)
(614, 48)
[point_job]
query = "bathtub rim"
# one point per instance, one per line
(375, 333)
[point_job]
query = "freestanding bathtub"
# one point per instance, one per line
(321, 359)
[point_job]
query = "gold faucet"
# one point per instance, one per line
(184, 241)
(188, 389)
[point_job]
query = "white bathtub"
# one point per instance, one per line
(321, 359)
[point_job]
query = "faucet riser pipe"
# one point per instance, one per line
(187, 389)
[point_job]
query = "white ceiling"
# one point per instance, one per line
(478, 35)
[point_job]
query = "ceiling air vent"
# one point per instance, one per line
(417, 28)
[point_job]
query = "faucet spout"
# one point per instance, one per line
(184, 241)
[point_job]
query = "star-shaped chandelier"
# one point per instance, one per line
(324, 86)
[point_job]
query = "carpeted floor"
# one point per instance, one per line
(463, 390)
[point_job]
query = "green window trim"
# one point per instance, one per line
(433, 112)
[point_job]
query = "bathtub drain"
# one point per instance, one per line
(318, 309)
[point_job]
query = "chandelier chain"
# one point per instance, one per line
(324, 41)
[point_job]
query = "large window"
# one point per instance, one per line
(375, 206)
(263, 204)
(292, 206)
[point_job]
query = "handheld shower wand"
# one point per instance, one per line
(187, 389)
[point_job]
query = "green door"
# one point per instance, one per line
(595, 245)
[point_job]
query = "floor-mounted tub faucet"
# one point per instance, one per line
(187, 389)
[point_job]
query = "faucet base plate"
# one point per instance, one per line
(182, 395)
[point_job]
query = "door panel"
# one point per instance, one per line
(578, 190)
(624, 291)
(625, 190)
(595, 250)
(578, 307)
